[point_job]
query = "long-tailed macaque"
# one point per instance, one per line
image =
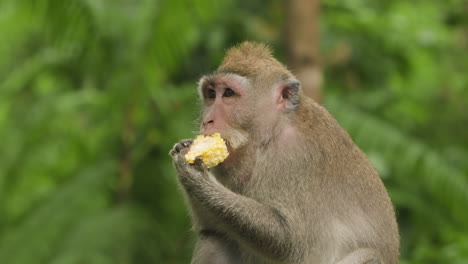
(294, 188)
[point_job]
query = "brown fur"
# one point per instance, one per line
(295, 188)
(252, 60)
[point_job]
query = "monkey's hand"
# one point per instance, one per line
(190, 175)
(264, 227)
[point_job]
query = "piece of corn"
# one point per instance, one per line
(212, 150)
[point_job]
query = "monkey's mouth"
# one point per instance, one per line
(229, 144)
(228, 141)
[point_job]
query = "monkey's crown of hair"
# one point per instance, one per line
(250, 58)
(248, 48)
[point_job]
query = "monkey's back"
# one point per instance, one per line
(363, 215)
(330, 189)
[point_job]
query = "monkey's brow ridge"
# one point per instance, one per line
(230, 72)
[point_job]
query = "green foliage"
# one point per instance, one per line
(84, 85)
(93, 94)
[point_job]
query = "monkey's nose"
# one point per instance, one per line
(208, 122)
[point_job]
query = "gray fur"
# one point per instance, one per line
(298, 191)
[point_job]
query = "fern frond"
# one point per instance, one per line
(73, 219)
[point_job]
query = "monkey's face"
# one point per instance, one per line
(226, 108)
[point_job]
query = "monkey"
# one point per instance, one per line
(294, 188)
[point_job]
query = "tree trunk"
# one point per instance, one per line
(303, 44)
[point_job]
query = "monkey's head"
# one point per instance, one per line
(248, 96)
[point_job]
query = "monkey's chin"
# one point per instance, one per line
(236, 140)
(230, 148)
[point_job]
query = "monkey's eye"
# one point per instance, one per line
(228, 93)
(211, 94)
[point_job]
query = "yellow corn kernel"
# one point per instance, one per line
(212, 150)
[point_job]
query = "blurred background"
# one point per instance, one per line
(94, 93)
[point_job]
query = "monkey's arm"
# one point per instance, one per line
(263, 227)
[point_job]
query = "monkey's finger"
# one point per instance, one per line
(178, 147)
(186, 143)
(198, 161)
(198, 164)
(173, 151)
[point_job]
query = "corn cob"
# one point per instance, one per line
(212, 150)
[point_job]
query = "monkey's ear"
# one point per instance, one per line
(288, 95)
